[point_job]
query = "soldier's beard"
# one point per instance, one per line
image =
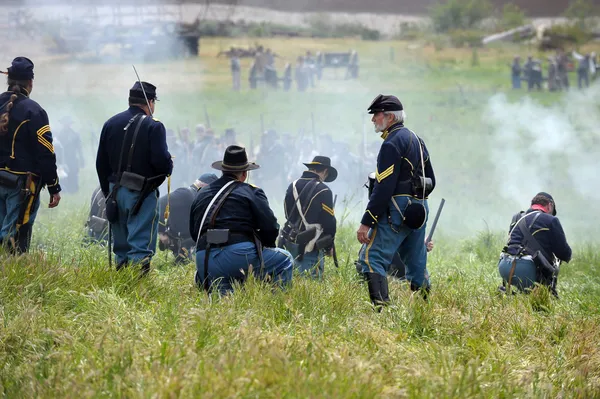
(378, 128)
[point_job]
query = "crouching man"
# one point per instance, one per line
(536, 245)
(235, 229)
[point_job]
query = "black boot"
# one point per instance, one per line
(378, 290)
(122, 264)
(424, 291)
(145, 267)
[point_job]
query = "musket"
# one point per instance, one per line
(435, 221)
(206, 117)
(334, 251)
(143, 91)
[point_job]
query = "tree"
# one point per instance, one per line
(459, 14)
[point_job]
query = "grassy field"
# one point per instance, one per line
(72, 328)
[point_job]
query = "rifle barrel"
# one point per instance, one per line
(435, 221)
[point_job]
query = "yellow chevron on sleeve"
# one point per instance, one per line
(46, 144)
(43, 130)
(328, 210)
(384, 174)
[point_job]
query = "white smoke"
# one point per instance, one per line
(543, 148)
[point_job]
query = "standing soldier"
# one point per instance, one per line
(27, 159)
(309, 231)
(235, 229)
(132, 162)
(236, 71)
(71, 142)
(516, 73)
(397, 211)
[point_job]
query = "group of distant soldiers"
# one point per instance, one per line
(226, 223)
(308, 69)
(559, 67)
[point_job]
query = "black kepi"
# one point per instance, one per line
(384, 103)
(235, 160)
(324, 162)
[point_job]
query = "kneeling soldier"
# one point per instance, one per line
(235, 229)
(132, 162)
(535, 247)
(174, 232)
(309, 231)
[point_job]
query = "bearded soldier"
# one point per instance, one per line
(397, 211)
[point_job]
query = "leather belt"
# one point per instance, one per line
(234, 238)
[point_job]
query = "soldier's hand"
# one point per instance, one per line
(54, 200)
(429, 246)
(362, 234)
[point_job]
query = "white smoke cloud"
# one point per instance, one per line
(543, 148)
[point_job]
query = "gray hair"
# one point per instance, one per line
(399, 116)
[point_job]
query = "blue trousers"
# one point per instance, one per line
(134, 236)
(524, 276)
(10, 205)
(391, 235)
(231, 263)
(312, 262)
(516, 82)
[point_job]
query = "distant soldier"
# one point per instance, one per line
(133, 161)
(71, 142)
(536, 244)
(236, 70)
(253, 75)
(583, 69)
(287, 77)
(235, 229)
(27, 159)
(553, 81)
(301, 74)
(229, 138)
(352, 71)
(533, 72)
(397, 212)
(174, 232)
(309, 231)
(563, 69)
(516, 73)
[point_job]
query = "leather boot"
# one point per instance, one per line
(378, 290)
(145, 268)
(424, 291)
(122, 264)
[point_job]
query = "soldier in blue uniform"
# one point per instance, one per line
(174, 232)
(310, 228)
(133, 161)
(535, 236)
(397, 211)
(235, 229)
(27, 159)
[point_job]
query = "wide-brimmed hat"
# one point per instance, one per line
(235, 160)
(324, 162)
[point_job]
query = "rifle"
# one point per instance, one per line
(333, 250)
(206, 117)
(435, 221)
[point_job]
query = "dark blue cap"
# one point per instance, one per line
(383, 103)
(21, 69)
(549, 198)
(137, 92)
(208, 178)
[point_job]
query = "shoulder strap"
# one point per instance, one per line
(298, 204)
(229, 185)
(529, 240)
(135, 133)
(297, 196)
